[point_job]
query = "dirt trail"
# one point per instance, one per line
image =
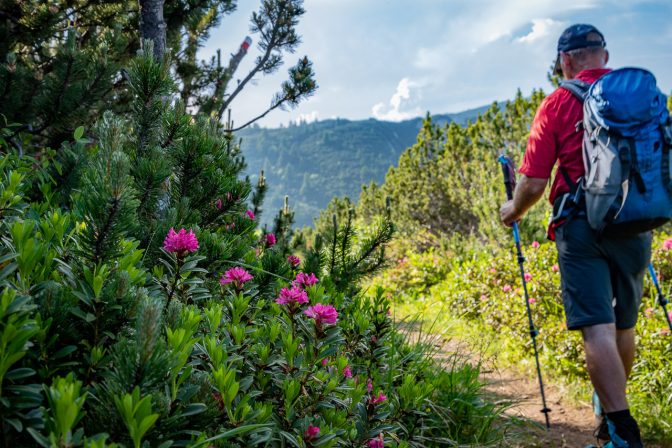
(572, 424)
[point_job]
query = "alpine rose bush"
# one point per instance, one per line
(303, 280)
(238, 276)
(292, 296)
(322, 314)
(181, 242)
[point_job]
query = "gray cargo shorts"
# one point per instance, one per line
(601, 277)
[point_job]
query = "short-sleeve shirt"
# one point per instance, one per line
(555, 137)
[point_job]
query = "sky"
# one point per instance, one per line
(398, 59)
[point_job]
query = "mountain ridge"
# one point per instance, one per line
(313, 162)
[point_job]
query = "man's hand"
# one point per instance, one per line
(528, 191)
(509, 214)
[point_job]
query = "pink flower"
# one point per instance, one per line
(493, 270)
(218, 204)
(293, 261)
(369, 385)
(311, 432)
(506, 288)
(325, 361)
(667, 244)
(484, 297)
(181, 242)
(379, 399)
(326, 314)
(528, 276)
(555, 268)
(303, 280)
(376, 443)
(347, 372)
(531, 300)
(292, 296)
(270, 240)
(229, 196)
(649, 312)
(669, 314)
(238, 276)
(250, 214)
(535, 244)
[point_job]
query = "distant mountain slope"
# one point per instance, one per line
(316, 161)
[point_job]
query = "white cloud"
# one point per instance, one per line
(394, 112)
(310, 117)
(541, 29)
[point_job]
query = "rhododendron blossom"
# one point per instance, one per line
(667, 244)
(303, 280)
(532, 300)
(322, 314)
(649, 312)
(376, 443)
(347, 372)
(293, 261)
(238, 276)
(555, 268)
(379, 399)
(181, 242)
(270, 240)
(535, 244)
(292, 296)
(369, 385)
(506, 288)
(325, 361)
(250, 214)
(311, 432)
(528, 276)
(218, 204)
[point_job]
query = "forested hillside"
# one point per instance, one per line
(313, 162)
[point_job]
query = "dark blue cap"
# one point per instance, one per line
(576, 36)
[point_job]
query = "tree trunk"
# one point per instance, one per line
(152, 25)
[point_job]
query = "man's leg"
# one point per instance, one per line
(625, 339)
(605, 365)
(609, 357)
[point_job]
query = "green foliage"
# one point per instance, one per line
(136, 414)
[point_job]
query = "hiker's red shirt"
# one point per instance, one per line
(555, 137)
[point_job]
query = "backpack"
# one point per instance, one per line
(627, 139)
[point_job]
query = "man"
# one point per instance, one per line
(602, 277)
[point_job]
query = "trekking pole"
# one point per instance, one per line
(662, 300)
(510, 183)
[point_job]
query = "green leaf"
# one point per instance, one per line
(22, 372)
(231, 433)
(79, 132)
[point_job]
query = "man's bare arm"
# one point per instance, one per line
(528, 191)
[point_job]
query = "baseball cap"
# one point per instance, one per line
(575, 37)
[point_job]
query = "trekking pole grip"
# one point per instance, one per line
(507, 171)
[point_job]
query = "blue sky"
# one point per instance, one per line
(397, 59)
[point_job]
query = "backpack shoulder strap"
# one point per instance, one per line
(577, 88)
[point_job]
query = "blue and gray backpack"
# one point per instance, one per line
(627, 140)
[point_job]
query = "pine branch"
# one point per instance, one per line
(250, 75)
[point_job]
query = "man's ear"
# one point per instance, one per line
(565, 62)
(606, 57)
